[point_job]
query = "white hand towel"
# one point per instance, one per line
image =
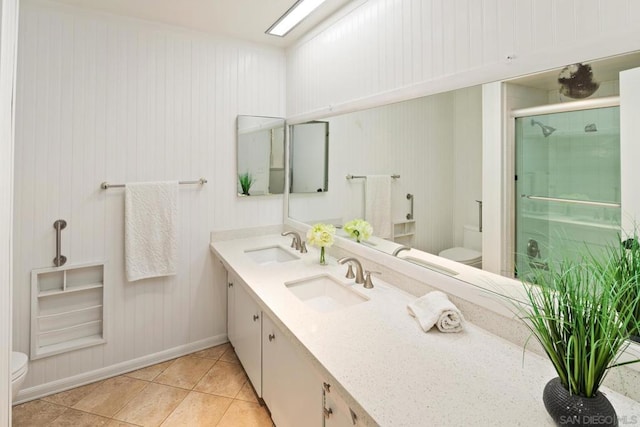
(377, 208)
(150, 229)
(435, 308)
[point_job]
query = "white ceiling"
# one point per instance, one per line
(243, 19)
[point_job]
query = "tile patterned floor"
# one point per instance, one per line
(207, 388)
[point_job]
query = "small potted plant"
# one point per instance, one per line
(575, 312)
(358, 229)
(246, 181)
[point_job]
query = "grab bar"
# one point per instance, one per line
(575, 202)
(60, 259)
(410, 198)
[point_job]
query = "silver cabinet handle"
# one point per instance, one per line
(255, 317)
(327, 412)
(272, 337)
(327, 387)
(230, 284)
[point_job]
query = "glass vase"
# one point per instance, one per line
(323, 261)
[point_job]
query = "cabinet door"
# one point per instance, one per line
(290, 387)
(231, 307)
(248, 334)
(336, 411)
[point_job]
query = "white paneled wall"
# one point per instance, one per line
(105, 98)
(422, 46)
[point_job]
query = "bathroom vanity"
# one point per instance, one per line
(321, 350)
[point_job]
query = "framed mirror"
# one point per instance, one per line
(309, 154)
(260, 146)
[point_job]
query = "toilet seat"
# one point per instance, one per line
(462, 255)
(18, 365)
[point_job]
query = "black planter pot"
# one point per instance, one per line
(572, 410)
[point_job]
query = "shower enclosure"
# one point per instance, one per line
(567, 181)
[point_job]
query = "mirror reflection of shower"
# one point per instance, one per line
(546, 130)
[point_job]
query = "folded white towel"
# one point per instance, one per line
(435, 308)
(150, 219)
(377, 208)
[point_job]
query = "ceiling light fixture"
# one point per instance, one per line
(293, 16)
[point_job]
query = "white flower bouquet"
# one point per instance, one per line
(358, 228)
(322, 236)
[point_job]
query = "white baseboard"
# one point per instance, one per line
(57, 386)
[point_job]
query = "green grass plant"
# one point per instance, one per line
(581, 316)
(246, 181)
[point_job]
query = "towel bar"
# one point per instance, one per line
(105, 185)
(394, 176)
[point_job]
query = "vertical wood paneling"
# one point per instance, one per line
(420, 44)
(104, 98)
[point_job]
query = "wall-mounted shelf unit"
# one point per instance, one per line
(404, 232)
(67, 308)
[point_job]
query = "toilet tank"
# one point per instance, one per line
(472, 238)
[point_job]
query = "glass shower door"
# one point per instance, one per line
(567, 186)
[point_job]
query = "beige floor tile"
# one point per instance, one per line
(185, 372)
(198, 409)
(246, 414)
(230, 356)
(74, 418)
(111, 396)
(73, 396)
(152, 405)
(118, 423)
(213, 352)
(35, 413)
(247, 393)
(224, 379)
(150, 372)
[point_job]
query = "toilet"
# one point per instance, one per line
(471, 252)
(19, 368)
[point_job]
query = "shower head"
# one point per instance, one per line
(546, 130)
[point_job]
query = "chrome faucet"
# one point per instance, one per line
(400, 249)
(359, 272)
(297, 242)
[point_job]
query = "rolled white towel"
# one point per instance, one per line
(435, 308)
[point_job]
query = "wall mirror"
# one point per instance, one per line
(260, 145)
(431, 147)
(434, 144)
(309, 157)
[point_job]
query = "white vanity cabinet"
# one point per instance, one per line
(290, 387)
(231, 278)
(337, 412)
(245, 322)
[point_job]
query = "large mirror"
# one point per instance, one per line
(309, 154)
(432, 147)
(260, 145)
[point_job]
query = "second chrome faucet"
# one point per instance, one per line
(362, 277)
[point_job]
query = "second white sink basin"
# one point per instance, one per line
(270, 255)
(324, 293)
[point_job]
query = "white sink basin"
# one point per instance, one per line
(324, 293)
(270, 255)
(430, 265)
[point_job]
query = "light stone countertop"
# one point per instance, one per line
(387, 366)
